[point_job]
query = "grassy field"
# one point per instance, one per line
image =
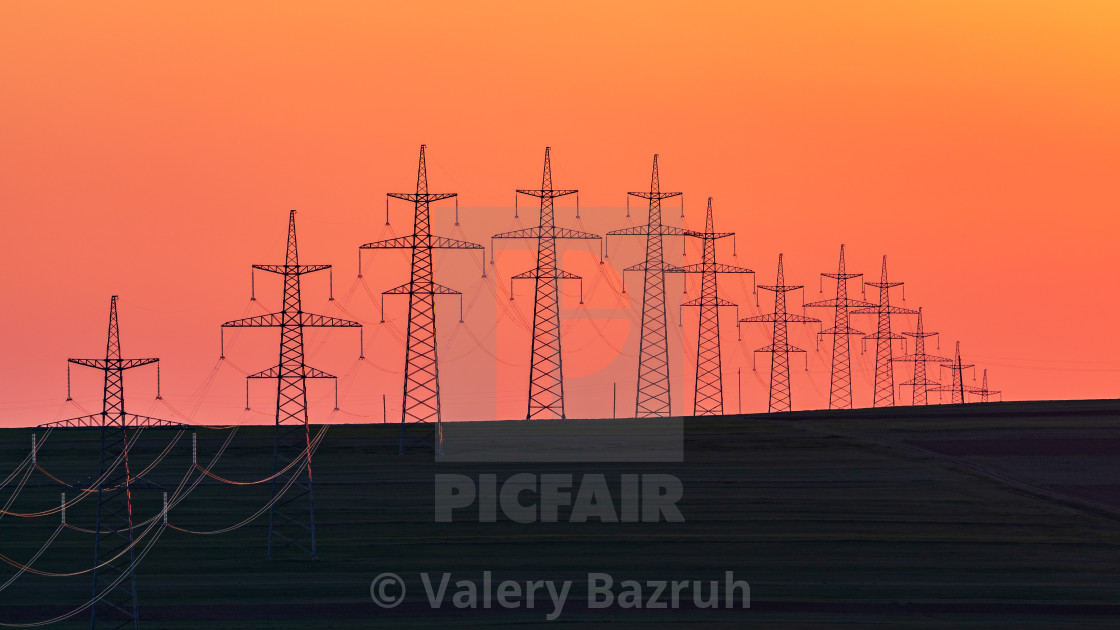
(950, 516)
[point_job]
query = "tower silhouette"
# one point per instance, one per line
(983, 392)
(920, 384)
(421, 415)
(779, 348)
(708, 393)
(286, 527)
(884, 352)
(653, 396)
(840, 394)
(955, 366)
(114, 571)
(546, 370)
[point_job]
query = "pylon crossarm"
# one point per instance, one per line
(401, 242)
(422, 197)
(715, 267)
(291, 269)
(637, 230)
(92, 420)
(700, 301)
(771, 348)
(655, 195)
(271, 319)
(112, 364)
(849, 303)
(925, 358)
(442, 242)
(560, 274)
(133, 420)
(574, 234)
(322, 321)
(406, 289)
(841, 331)
(891, 310)
(529, 232)
(546, 194)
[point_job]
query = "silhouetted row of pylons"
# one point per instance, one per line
(292, 522)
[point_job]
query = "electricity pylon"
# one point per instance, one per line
(292, 439)
(884, 354)
(114, 569)
(920, 384)
(779, 348)
(955, 366)
(708, 393)
(546, 371)
(421, 416)
(653, 396)
(840, 394)
(983, 392)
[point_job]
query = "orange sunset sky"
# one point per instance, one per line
(152, 150)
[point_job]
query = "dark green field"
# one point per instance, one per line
(1006, 514)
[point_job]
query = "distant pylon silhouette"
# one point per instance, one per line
(114, 571)
(653, 398)
(708, 393)
(421, 416)
(884, 355)
(292, 439)
(546, 371)
(920, 384)
(840, 394)
(983, 392)
(779, 348)
(957, 389)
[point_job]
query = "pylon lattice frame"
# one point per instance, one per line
(421, 412)
(779, 348)
(546, 369)
(292, 438)
(983, 392)
(920, 383)
(114, 607)
(653, 397)
(840, 393)
(884, 351)
(708, 390)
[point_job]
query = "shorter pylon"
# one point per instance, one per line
(920, 384)
(983, 392)
(708, 394)
(884, 351)
(779, 348)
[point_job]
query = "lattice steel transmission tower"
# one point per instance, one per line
(840, 394)
(920, 384)
(884, 352)
(114, 570)
(421, 416)
(286, 527)
(708, 393)
(546, 371)
(653, 398)
(983, 392)
(779, 347)
(957, 389)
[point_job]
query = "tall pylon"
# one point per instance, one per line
(840, 394)
(983, 392)
(653, 397)
(546, 370)
(708, 393)
(114, 569)
(779, 348)
(286, 527)
(884, 352)
(957, 389)
(421, 414)
(920, 384)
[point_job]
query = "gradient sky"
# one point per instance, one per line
(152, 150)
